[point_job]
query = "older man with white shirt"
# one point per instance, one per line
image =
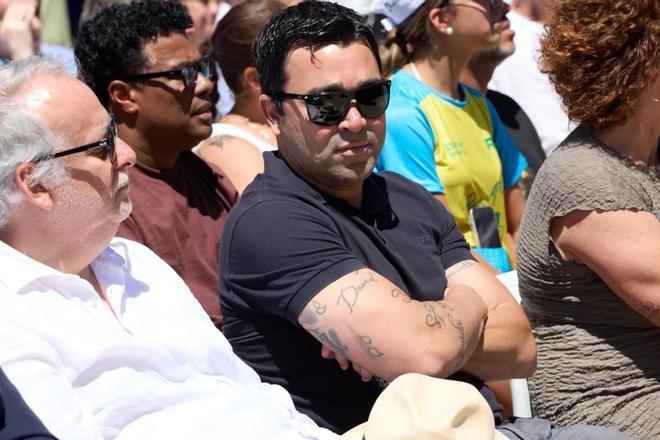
(100, 336)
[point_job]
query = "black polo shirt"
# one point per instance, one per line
(285, 241)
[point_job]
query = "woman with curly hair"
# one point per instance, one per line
(589, 249)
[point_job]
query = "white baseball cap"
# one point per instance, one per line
(395, 10)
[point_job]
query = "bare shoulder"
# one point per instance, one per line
(239, 159)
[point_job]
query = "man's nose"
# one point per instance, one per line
(353, 121)
(204, 85)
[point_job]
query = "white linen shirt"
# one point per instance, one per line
(160, 369)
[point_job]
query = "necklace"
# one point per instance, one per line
(415, 71)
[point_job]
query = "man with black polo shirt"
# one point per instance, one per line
(322, 249)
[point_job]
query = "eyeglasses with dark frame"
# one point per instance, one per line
(329, 108)
(189, 72)
(107, 143)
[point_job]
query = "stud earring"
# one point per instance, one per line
(449, 31)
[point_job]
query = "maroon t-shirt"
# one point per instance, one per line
(179, 214)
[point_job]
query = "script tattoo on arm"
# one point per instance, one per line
(397, 293)
(458, 267)
(367, 345)
(433, 319)
(309, 317)
(349, 295)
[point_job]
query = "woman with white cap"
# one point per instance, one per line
(447, 136)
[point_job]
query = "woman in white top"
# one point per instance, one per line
(241, 136)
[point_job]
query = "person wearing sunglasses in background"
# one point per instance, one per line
(157, 84)
(444, 135)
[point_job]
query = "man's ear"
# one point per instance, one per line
(269, 108)
(122, 96)
(251, 78)
(33, 192)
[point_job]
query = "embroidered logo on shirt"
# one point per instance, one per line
(424, 239)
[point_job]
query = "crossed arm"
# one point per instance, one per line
(478, 327)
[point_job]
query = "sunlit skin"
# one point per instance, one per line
(337, 158)
(162, 117)
(86, 208)
(476, 24)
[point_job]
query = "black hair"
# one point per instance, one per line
(110, 45)
(313, 25)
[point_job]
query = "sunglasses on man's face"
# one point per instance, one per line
(188, 72)
(329, 108)
(107, 144)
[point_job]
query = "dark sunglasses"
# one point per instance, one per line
(108, 144)
(188, 72)
(328, 108)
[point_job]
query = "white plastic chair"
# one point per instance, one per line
(519, 391)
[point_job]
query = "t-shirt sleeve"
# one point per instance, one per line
(513, 162)
(279, 266)
(409, 147)
(580, 178)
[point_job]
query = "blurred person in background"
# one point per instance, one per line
(20, 29)
(477, 73)
(520, 78)
(590, 241)
(240, 137)
(444, 135)
(203, 13)
(92, 7)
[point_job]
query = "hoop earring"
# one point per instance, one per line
(648, 92)
(449, 31)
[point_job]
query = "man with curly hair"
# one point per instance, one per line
(143, 67)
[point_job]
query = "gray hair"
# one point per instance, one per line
(24, 135)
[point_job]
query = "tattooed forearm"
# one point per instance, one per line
(397, 293)
(349, 295)
(308, 317)
(458, 325)
(318, 307)
(458, 267)
(367, 345)
(331, 339)
(650, 310)
(432, 318)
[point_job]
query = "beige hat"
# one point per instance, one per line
(418, 407)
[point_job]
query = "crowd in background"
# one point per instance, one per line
(534, 123)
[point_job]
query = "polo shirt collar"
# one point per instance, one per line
(374, 197)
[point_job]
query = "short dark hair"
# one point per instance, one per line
(313, 25)
(110, 45)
